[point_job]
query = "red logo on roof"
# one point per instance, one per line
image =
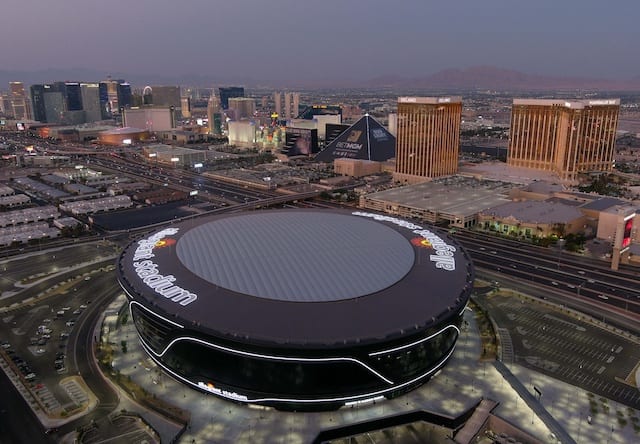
(421, 242)
(165, 242)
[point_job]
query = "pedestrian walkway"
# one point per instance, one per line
(453, 390)
(586, 417)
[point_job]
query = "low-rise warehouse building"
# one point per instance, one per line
(174, 155)
(97, 205)
(534, 218)
(26, 233)
(28, 215)
(78, 188)
(451, 200)
(6, 191)
(39, 188)
(16, 200)
(160, 196)
(356, 167)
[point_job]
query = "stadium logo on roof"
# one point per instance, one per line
(421, 242)
(147, 270)
(443, 259)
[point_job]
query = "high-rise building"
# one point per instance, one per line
(37, 101)
(109, 96)
(228, 92)
(166, 96)
(105, 106)
(54, 104)
(49, 102)
(242, 107)
(565, 137)
(5, 104)
(392, 123)
(114, 94)
(72, 95)
(291, 105)
(91, 101)
(150, 118)
(428, 137)
(213, 114)
(185, 107)
(124, 94)
(18, 101)
(277, 100)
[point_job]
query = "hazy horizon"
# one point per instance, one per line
(291, 41)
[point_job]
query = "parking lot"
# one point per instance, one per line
(121, 429)
(568, 348)
(34, 341)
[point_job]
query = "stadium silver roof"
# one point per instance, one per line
(298, 257)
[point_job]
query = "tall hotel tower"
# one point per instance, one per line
(564, 137)
(18, 100)
(428, 137)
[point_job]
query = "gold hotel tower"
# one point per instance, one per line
(566, 137)
(428, 137)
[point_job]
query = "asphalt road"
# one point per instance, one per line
(103, 289)
(47, 262)
(559, 271)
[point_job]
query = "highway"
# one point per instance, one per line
(179, 179)
(559, 271)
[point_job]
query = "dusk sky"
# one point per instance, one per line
(328, 39)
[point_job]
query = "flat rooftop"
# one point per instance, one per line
(453, 195)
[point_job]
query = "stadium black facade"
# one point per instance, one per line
(298, 309)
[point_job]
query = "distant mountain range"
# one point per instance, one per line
(489, 77)
(473, 78)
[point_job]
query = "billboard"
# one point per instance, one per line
(333, 130)
(626, 235)
(320, 110)
(300, 141)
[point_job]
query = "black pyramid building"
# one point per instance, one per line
(366, 139)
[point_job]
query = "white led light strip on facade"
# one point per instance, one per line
(391, 350)
(318, 400)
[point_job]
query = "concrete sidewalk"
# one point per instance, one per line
(459, 386)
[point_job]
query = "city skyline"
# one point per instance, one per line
(329, 42)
